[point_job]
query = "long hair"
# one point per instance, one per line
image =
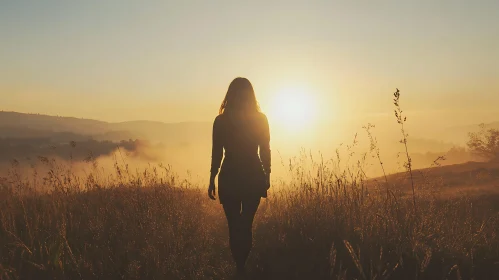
(240, 98)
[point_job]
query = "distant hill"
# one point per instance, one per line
(13, 124)
(26, 137)
(52, 123)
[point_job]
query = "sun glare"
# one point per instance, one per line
(293, 108)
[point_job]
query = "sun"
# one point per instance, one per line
(293, 107)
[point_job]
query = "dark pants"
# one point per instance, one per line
(240, 215)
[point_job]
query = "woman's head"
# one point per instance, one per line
(240, 98)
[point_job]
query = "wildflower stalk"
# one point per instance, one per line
(401, 120)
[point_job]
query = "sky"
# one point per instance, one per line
(172, 61)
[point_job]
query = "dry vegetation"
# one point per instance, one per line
(326, 222)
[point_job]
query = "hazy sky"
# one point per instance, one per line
(173, 60)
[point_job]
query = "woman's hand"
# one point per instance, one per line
(267, 181)
(211, 190)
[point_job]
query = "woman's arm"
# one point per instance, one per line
(265, 146)
(216, 157)
(216, 150)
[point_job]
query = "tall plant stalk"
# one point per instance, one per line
(401, 120)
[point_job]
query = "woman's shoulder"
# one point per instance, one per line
(262, 117)
(219, 118)
(218, 121)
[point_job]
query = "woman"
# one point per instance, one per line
(243, 132)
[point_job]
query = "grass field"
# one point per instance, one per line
(324, 223)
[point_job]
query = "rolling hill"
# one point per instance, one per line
(21, 125)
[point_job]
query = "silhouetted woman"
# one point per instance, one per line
(243, 132)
